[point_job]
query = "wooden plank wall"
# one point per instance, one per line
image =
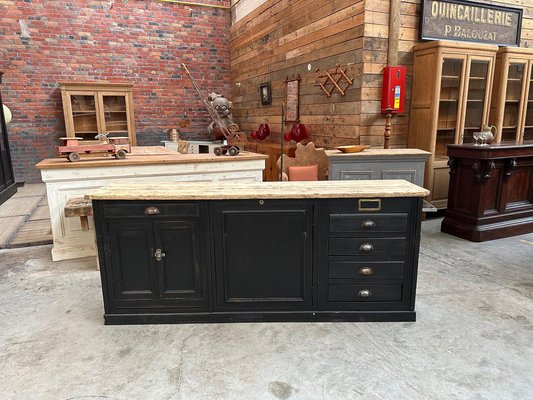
(281, 37)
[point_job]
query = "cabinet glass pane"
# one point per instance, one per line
(449, 97)
(475, 99)
(84, 115)
(512, 101)
(528, 128)
(115, 116)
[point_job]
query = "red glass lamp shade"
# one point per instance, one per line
(297, 133)
(262, 133)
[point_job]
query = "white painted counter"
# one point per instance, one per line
(145, 165)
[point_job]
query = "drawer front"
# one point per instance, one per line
(382, 249)
(372, 205)
(364, 293)
(365, 270)
(368, 223)
(151, 209)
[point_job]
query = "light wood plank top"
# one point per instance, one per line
(379, 153)
(258, 190)
(145, 155)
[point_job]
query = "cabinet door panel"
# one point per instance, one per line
(528, 109)
(132, 261)
(475, 107)
(115, 113)
(181, 271)
(451, 87)
(264, 255)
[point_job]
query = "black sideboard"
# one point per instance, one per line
(260, 258)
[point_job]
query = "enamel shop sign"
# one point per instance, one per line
(471, 22)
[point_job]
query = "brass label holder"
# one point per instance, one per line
(369, 205)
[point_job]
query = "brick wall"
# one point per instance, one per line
(140, 42)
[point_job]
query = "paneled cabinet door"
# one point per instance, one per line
(263, 254)
(181, 276)
(133, 266)
(156, 264)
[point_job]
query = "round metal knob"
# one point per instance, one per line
(366, 247)
(151, 210)
(366, 271)
(364, 293)
(368, 223)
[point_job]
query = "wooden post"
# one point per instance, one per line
(388, 128)
(394, 32)
(392, 58)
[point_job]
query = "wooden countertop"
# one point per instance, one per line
(379, 153)
(146, 155)
(259, 190)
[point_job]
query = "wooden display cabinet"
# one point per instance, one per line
(95, 107)
(512, 98)
(452, 83)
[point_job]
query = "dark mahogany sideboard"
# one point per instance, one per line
(491, 191)
(266, 251)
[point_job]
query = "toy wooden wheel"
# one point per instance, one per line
(233, 151)
(121, 154)
(217, 151)
(73, 157)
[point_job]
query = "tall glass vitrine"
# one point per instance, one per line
(452, 84)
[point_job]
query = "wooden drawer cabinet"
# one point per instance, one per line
(369, 254)
(290, 259)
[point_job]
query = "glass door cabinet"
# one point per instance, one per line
(511, 109)
(91, 108)
(452, 84)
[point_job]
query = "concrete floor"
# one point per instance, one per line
(473, 338)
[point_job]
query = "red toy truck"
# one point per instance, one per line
(116, 146)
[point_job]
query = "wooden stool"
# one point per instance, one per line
(80, 207)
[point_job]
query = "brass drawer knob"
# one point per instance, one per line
(366, 247)
(364, 293)
(368, 224)
(152, 210)
(366, 271)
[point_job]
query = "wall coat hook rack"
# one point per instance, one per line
(336, 78)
